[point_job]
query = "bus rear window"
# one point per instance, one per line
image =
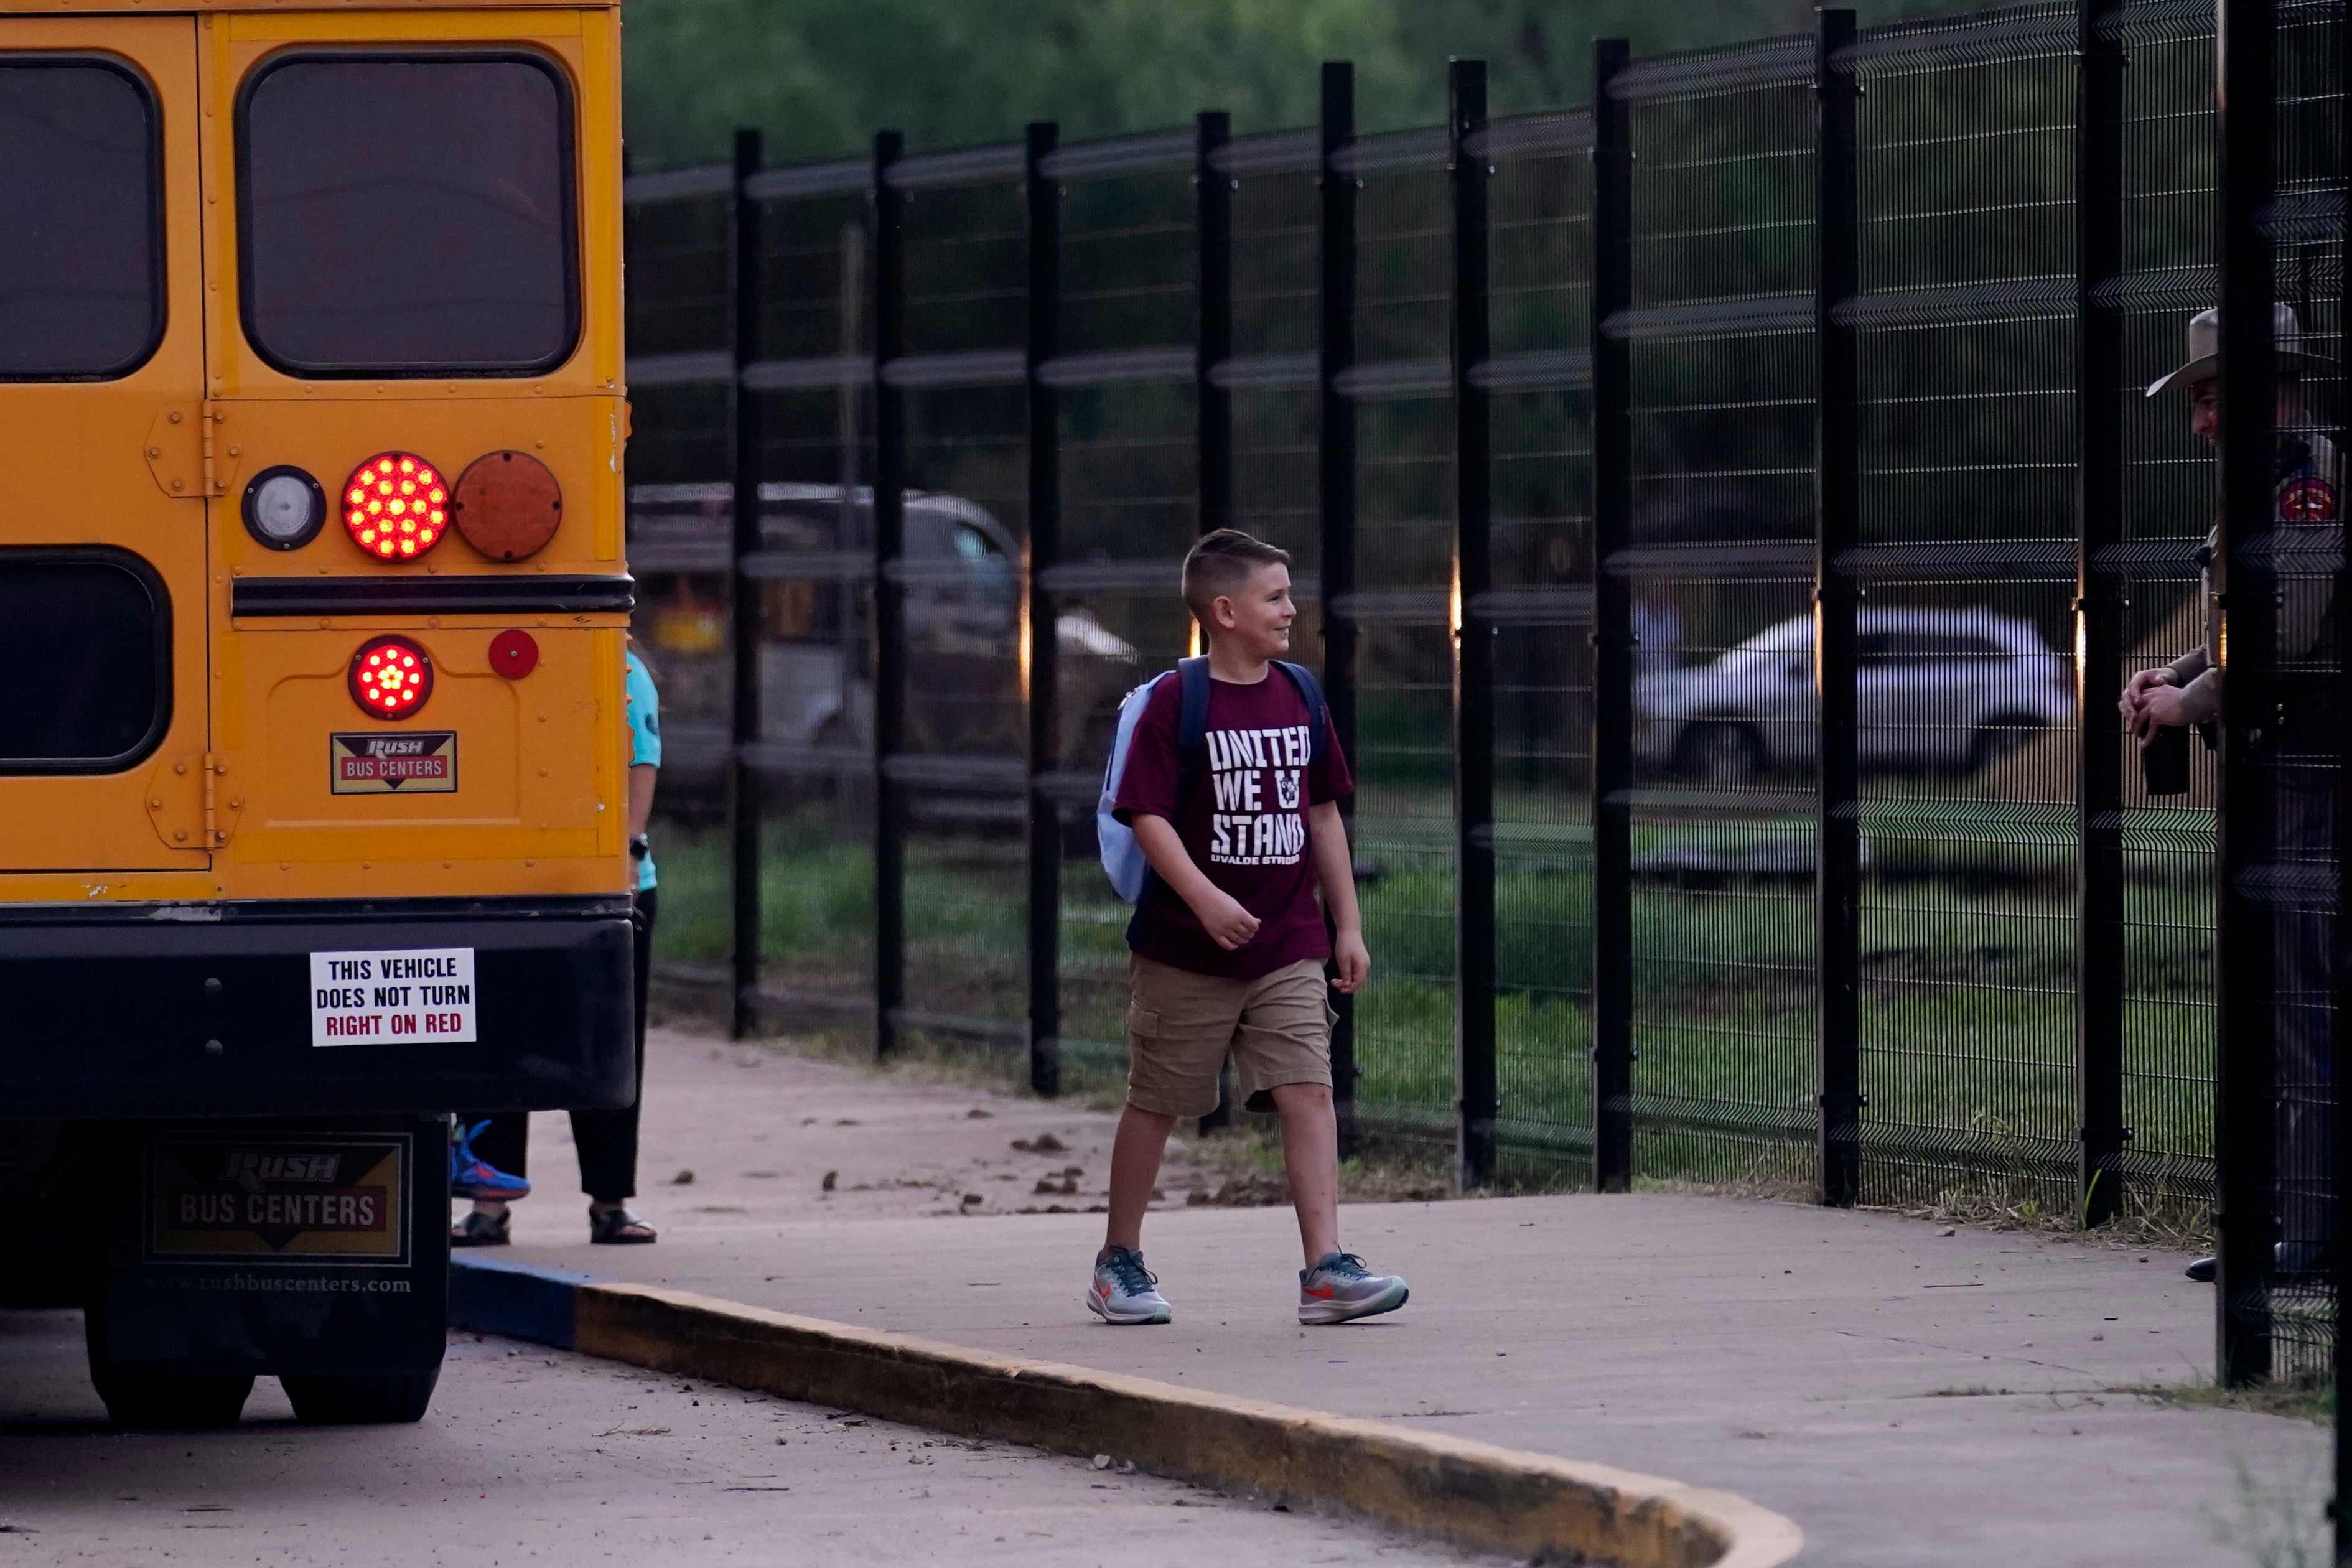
(89, 633)
(408, 215)
(82, 252)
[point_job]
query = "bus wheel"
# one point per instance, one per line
(147, 1401)
(360, 1401)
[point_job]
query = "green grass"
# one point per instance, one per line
(964, 930)
(2309, 1399)
(816, 902)
(1967, 1026)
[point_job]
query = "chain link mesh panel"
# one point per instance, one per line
(1539, 380)
(813, 575)
(1723, 356)
(680, 327)
(2168, 482)
(1403, 607)
(1129, 428)
(965, 760)
(1966, 320)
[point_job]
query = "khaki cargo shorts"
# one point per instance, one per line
(1179, 1025)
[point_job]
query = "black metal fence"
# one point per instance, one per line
(1727, 515)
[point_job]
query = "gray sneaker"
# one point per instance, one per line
(1123, 1289)
(1340, 1288)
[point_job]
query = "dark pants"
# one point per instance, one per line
(608, 1140)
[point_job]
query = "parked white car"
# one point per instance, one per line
(1940, 690)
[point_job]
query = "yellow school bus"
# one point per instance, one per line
(312, 611)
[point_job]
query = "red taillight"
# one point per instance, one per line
(390, 677)
(397, 506)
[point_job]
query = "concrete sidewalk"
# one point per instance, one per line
(1908, 1398)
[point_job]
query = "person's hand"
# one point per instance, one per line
(2161, 706)
(1352, 959)
(2137, 691)
(1223, 917)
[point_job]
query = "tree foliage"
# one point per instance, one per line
(821, 76)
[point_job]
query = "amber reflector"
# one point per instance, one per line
(390, 677)
(397, 506)
(507, 505)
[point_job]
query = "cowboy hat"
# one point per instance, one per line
(2205, 348)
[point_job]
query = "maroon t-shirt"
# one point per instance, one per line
(1244, 826)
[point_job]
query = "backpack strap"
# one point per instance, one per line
(1192, 762)
(1192, 728)
(1310, 690)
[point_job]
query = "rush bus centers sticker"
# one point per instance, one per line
(311, 1201)
(392, 996)
(417, 762)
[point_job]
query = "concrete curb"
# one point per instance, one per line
(1547, 1509)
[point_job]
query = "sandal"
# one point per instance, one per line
(618, 1227)
(480, 1229)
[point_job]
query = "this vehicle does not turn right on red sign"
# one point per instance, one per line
(388, 996)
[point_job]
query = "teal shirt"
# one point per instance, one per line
(645, 738)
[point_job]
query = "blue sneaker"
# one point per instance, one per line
(471, 1176)
(1339, 1288)
(1124, 1290)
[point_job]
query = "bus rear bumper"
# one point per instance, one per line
(144, 1010)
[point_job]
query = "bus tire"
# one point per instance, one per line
(151, 1401)
(154, 1401)
(360, 1401)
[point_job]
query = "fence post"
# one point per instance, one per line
(2339, 1124)
(2098, 509)
(1335, 461)
(2246, 1189)
(1837, 598)
(743, 600)
(1474, 644)
(1612, 630)
(2339, 1129)
(1044, 197)
(890, 596)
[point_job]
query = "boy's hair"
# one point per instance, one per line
(1220, 563)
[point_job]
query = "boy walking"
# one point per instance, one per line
(1228, 944)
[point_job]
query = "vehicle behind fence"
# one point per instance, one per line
(1723, 517)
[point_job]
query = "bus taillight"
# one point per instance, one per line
(391, 677)
(395, 506)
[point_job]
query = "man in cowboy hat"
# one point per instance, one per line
(2306, 499)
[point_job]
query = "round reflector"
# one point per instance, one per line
(397, 506)
(514, 654)
(507, 505)
(284, 507)
(391, 677)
